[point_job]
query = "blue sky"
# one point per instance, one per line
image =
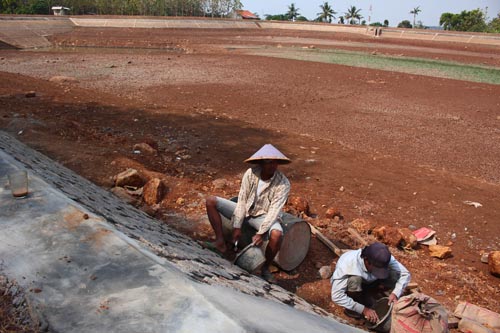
(393, 10)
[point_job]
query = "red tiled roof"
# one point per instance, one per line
(247, 14)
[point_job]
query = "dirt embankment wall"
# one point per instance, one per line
(30, 32)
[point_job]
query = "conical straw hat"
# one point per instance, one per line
(268, 152)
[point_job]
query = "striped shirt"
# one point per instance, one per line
(269, 202)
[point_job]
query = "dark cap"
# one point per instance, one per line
(378, 255)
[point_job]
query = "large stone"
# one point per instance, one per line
(494, 263)
(409, 239)
(153, 191)
(388, 235)
(130, 177)
(439, 251)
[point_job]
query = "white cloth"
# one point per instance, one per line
(351, 263)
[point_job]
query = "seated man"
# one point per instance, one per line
(361, 273)
(263, 193)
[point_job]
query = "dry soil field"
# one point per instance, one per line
(397, 149)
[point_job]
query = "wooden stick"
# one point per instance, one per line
(326, 241)
(357, 236)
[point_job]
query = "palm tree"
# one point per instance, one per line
(352, 14)
(415, 12)
(292, 12)
(327, 13)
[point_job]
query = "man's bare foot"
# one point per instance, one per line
(216, 248)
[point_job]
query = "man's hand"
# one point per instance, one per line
(257, 239)
(370, 314)
(236, 234)
(392, 298)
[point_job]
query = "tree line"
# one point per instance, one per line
(211, 8)
(475, 20)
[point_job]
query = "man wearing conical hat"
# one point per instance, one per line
(263, 193)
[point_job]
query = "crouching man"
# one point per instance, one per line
(263, 193)
(365, 275)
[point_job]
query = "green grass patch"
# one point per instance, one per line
(418, 66)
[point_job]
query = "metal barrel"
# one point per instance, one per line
(295, 244)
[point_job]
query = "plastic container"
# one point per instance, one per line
(18, 182)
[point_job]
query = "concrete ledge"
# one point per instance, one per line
(163, 23)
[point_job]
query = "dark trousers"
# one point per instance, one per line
(368, 293)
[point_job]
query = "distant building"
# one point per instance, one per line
(60, 10)
(245, 15)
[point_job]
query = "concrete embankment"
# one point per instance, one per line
(31, 31)
(88, 262)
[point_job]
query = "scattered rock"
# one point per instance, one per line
(30, 94)
(220, 183)
(388, 235)
(130, 177)
(441, 252)
(362, 225)
(332, 212)
(153, 191)
(484, 257)
(145, 148)
(323, 223)
(494, 263)
(413, 287)
(300, 204)
(409, 239)
(325, 272)
(180, 201)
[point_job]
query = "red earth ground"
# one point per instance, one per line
(394, 149)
